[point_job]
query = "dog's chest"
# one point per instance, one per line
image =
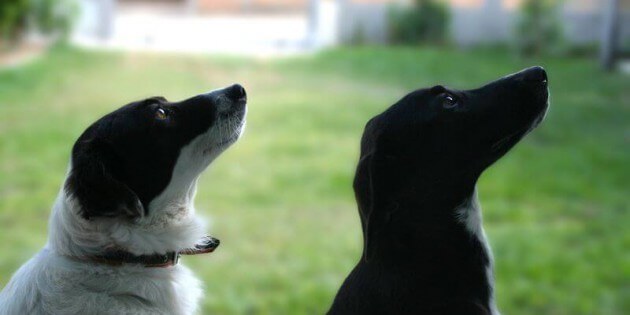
(469, 215)
(172, 290)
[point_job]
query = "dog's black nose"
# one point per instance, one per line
(236, 92)
(534, 74)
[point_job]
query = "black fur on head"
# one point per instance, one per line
(126, 158)
(440, 140)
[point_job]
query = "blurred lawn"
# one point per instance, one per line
(556, 208)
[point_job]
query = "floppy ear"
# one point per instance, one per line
(92, 183)
(365, 193)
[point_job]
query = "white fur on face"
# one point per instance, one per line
(175, 204)
(171, 223)
(469, 214)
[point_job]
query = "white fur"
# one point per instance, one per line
(58, 281)
(469, 214)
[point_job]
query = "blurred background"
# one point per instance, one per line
(556, 209)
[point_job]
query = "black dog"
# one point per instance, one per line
(425, 251)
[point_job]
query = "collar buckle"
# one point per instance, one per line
(173, 258)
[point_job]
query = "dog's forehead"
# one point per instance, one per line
(414, 102)
(127, 118)
(144, 103)
(155, 99)
(412, 107)
(120, 122)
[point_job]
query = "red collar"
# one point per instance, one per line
(119, 257)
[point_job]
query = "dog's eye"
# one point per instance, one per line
(449, 101)
(161, 114)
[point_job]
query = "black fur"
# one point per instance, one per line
(126, 158)
(420, 161)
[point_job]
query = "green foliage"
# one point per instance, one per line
(46, 16)
(539, 28)
(13, 16)
(53, 15)
(555, 208)
(426, 21)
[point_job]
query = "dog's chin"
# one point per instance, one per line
(505, 143)
(541, 116)
(541, 108)
(225, 143)
(219, 147)
(228, 142)
(542, 103)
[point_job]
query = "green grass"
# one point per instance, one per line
(556, 208)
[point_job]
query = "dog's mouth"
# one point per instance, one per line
(543, 105)
(230, 130)
(234, 128)
(514, 137)
(543, 112)
(233, 135)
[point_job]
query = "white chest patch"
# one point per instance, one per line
(469, 214)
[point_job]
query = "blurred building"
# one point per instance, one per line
(226, 26)
(300, 25)
(365, 20)
(213, 6)
(482, 21)
(492, 21)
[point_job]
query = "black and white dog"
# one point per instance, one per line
(425, 251)
(126, 212)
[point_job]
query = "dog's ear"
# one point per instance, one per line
(92, 182)
(366, 195)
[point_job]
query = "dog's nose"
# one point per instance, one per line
(236, 92)
(534, 74)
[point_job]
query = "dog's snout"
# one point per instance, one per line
(236, 92)
(533, 75)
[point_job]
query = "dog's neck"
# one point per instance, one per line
(71, 235)
(436, 232)
(438, 221)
